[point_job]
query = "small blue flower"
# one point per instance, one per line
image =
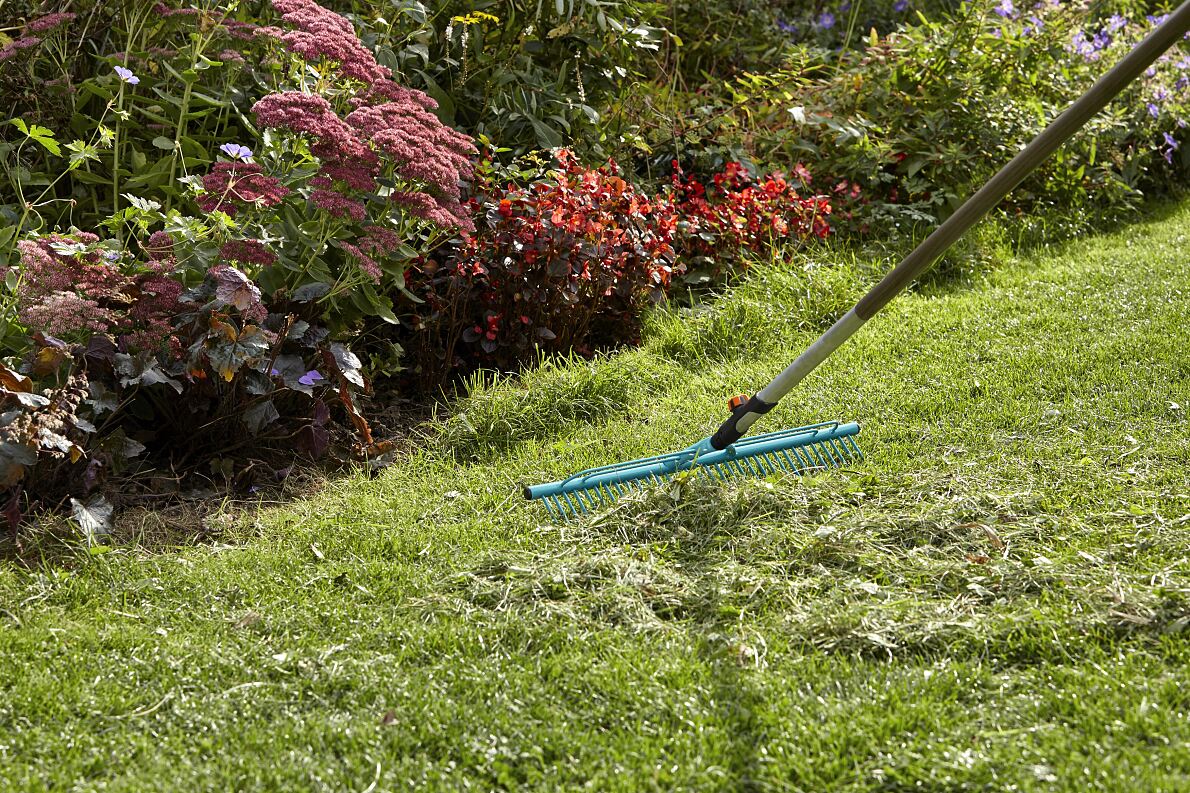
(1116, 23)
(110, 256)
(901, 6)
(1036, 24)
(127, 76)
(1154, 111)
(236, 151)
(1006, 9)
(826, 20)
(787, 27)
(311, 377)
(845, 7)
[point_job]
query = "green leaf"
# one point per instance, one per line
(19, 125)
(163, 142)
(81, 152)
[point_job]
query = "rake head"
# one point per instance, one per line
(811, 448)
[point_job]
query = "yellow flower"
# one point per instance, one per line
(475, 18)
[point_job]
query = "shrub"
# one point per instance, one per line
(568, 262)
(923, 117)
(182, 374)
(528, 74)
(297, 243)
(738, 217)
(565, 263)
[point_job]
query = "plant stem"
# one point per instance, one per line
(116, 161)
(173, 162)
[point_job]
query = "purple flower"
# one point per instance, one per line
(1116, 23)
(787, 27)
(1171, 145)
(1006, 9)
(1082, 46)
(845, 7)
(1154, 111)
(826, 20)
(127, 76)
(1036, 24)
(275, 372)
(901, 6)
(311, 377)
(236, 151)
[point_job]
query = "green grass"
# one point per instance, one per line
(996, 600)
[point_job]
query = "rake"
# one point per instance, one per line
(727, 454)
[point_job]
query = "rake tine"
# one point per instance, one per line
(854, 447)
(825, 450)
(841, 449)
(813, 453)
(752, 467)
(830, 453)
(795, 467)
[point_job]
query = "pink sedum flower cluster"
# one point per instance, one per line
(65, 313)
(65, 292)
(247, 252)
(391, 129)
(40, 27)
(49, 22)
(230, 184)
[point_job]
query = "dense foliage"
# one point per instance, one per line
(220, 224)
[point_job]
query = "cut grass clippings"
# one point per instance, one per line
(997, 598)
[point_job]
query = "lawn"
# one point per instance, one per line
(996, 599)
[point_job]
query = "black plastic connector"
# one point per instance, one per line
(728, 433)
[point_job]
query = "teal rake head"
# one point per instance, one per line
(800, 450)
